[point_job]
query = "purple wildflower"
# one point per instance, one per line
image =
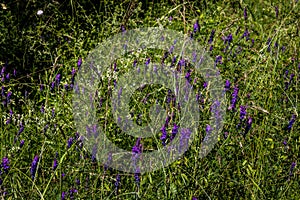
(79, 62)
(55, 164)
(72, 192)
(7, 77)
(234, 98)
(208, 130)
(5, 164)
(211, 38)
(196, 26)
(163, 137)
(123, 28)
(292, 121)
(58, 79)
(118, 180)
(52, 86)
(22, 143)
(205, 84)
(227, 85)
(252, 41)
(242, 112)
(188, 75)
(147, 61)
(137, 177)
(184, 138)
(21, 128)
(134, 63)
(42, 109)
(174, 131)
(276, 11)
(292, 168)
(8, 97)
(284, 142)
(246, 34)
(218, 60)
(70, 142)
(63, 195)
(137, 148)
(245, 13)
(248, 125)
(34, 166)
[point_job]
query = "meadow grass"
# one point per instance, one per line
(256, 155)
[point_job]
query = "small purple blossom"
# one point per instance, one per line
(70, 142)
(196, 26)
(123, 29)
(5, 164)
(276, 11)
(22, 143)
(58, 79)
(242, 112)
(248, 125)
(42, 109)
(292, 168)
(245, 13)
(211, 38)
(34, 166)
(72, 192)
(234, 98)
(55, 164)
(227, 85)
(118, 180)
(163, 137)
(174, 131)
(21, 128)
(246, 34)
(63, 195)
(79, 62)
(292, 121)
(8, 97)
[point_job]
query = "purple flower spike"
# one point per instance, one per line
(79, 62)
(5, 164)
(22, 143)
(8, 97)
(58, 79)
(70, 142)
(234, 98)
(163, 137)
(227, 85)
(292, 168)
(196, 26)
(245, 13)
(147, 62)
(248, 125)
(7, 77)
(276, 11)
(21, 129)
(55, 164)
(123, 29)
(118, 180)
(292, 121)
(211, 38)
(63, 195)
(242, 112)
(34, 166)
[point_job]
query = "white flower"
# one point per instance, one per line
(40, 12)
